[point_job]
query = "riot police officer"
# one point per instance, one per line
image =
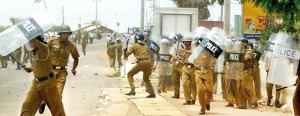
(141, 53)
(60, 50)
(188, 72)
(44, 85)
(177, 66)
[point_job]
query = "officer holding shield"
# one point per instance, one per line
(177, 65)
(245, 86)
(163, 65)
(44, 85)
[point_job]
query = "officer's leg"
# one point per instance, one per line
(130, 75)
(296, 100)
(186, 88)
(61, 78)
(277, 103)
(269, 87)
(32, 101)
(209, 90)
(249, 92)
(215, 82)
(193, 86)
(223, 84)
(201, 94)
(164, 83)
(52, 98)
(146, 75)
(176, 82)
(160, 83)
(241, 100)
(257, 84)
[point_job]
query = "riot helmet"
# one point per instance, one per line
(139, 38)
(64, 28)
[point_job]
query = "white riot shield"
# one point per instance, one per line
(284, 60)
(234, 56)
(21, 33)
(163, 59)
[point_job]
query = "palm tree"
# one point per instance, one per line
(203, 12)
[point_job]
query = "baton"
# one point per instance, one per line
(284, 88)
(22, 65)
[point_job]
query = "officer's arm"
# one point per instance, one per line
(75, 56)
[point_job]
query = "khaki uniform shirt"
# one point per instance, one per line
(41, 61)
(60, 51)
(139, 51)
(119, 48)
(248, 59)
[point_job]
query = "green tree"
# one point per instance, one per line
(2, 28)
(203, 12)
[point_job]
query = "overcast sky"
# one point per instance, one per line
(127, 12)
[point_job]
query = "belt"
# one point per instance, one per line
(200, 68)
(59, 67)
(141, 59)
(44, 78)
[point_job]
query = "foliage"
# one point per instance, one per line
(2, 28)
(203, 12)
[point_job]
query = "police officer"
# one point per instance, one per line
(119, 52)
(3, 61)
(269, 87)
(256, 69)
(44, 84)
(60, 50)
(188, 72)
(296, 98)
(163, 66)
(84, 42)
(177, 66)
(25, 55)
(111, 52)
(141, 53)
(17, 53)
(245, 86)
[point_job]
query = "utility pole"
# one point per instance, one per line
(142, 15)
(226, 24)
(63, 15)
(96, 21)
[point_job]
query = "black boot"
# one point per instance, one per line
(151, 96)
(208, 107)
(269, 102)
(187, 103)
(277, 104)
(131, 93)
(42, 108)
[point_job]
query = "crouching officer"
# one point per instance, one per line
(44, 85)
(141, 53)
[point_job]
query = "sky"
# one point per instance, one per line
(126, 12)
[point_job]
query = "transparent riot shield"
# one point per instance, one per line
(220, 35)
(201, 31)
(208, 51)
(284, 60)
(164, 57)
(269, 50)
(234, 55)
(21, 33)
